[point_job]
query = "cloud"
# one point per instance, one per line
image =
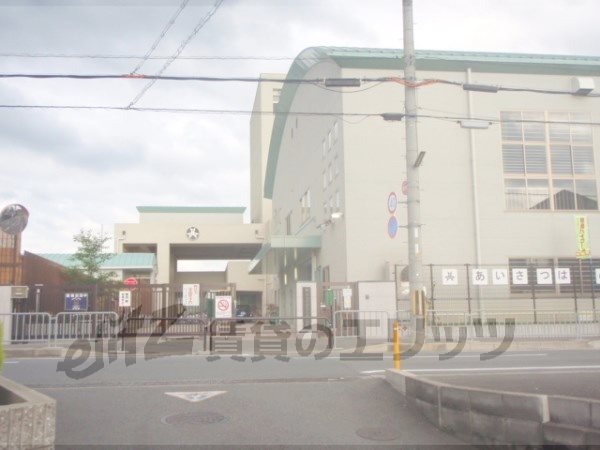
(75, 169)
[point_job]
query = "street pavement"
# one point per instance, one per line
(301, 401)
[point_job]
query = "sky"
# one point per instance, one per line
(78, 170)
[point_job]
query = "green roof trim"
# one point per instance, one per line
(116, 260)
(192, 209)
(429, 60)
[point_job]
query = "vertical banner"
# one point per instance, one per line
(191, 295)
(583, 241)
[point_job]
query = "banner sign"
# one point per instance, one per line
(191, 295)
(76, 301)
(583, 240)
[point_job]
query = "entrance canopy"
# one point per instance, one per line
(278, 245)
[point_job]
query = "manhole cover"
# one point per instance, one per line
(378, 434)
(193, 418)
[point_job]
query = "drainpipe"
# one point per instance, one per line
(474, 187)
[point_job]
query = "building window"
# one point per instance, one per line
(548, 166)
(276, 95)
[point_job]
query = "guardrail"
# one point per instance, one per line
(280, 328)
(363, 324)
(86, 325)
(523, 324)
(27, 327)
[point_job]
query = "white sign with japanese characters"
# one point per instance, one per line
(519, 276)
(450, 277)
(223, 307)
(597, 276)
(191, 295)
(347, 295)
(499, 276)
(544, 276)
(125, 299)
(479, 277)
(562, 275)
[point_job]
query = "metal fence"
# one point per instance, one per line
(86, 325)
(537, 284)
(446, 325)
(27, 327)
(169, 326)
(363, 324)
(270, 334)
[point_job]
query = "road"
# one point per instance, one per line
(299, 402)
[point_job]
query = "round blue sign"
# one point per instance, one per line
(393, 227)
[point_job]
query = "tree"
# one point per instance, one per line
(89, 258)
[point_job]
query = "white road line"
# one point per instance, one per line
(513, 355)
(372, 371)
(501, 369)
(11, 362)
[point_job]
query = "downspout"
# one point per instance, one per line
(474, 187)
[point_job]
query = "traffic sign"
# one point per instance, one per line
(223, 307)
(392, 202)
(405, 188)
(392, 227)
(130, 281)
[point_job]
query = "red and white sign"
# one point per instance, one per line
(223, 307)
(405, 188)
(130, 282)
(392, 202)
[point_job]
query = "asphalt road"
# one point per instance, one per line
(298, 402)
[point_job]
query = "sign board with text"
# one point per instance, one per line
(223, 307)
(76, 301)
(125, 299)
(191, 295)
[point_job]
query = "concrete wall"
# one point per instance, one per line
(237, 272)
(486, 417)
(29, 421)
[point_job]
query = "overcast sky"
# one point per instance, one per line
(90, 169)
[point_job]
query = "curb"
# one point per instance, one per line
(488, 417)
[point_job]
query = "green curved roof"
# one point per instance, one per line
(392, 59)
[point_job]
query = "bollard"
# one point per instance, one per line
(396, 336)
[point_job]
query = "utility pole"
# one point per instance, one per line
(415, 262)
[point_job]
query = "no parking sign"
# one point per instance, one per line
(223, 307)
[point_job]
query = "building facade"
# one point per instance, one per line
(505, 174)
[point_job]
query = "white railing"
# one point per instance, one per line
(86, 325)
(26, 327)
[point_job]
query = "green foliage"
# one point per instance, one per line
(89, 259)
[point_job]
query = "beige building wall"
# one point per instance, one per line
(261, 125)
(463, 205)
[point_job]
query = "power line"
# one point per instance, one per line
(156, 57)
(161, 35)
(185, 42)
(159, 76)
(448, 118)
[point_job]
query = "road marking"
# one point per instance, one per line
(501, 369)
(11, 362)
(195, 397)
(372, 371)
(504, 355)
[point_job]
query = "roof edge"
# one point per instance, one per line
(192, 209)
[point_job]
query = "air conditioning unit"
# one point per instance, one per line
(582, 85)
